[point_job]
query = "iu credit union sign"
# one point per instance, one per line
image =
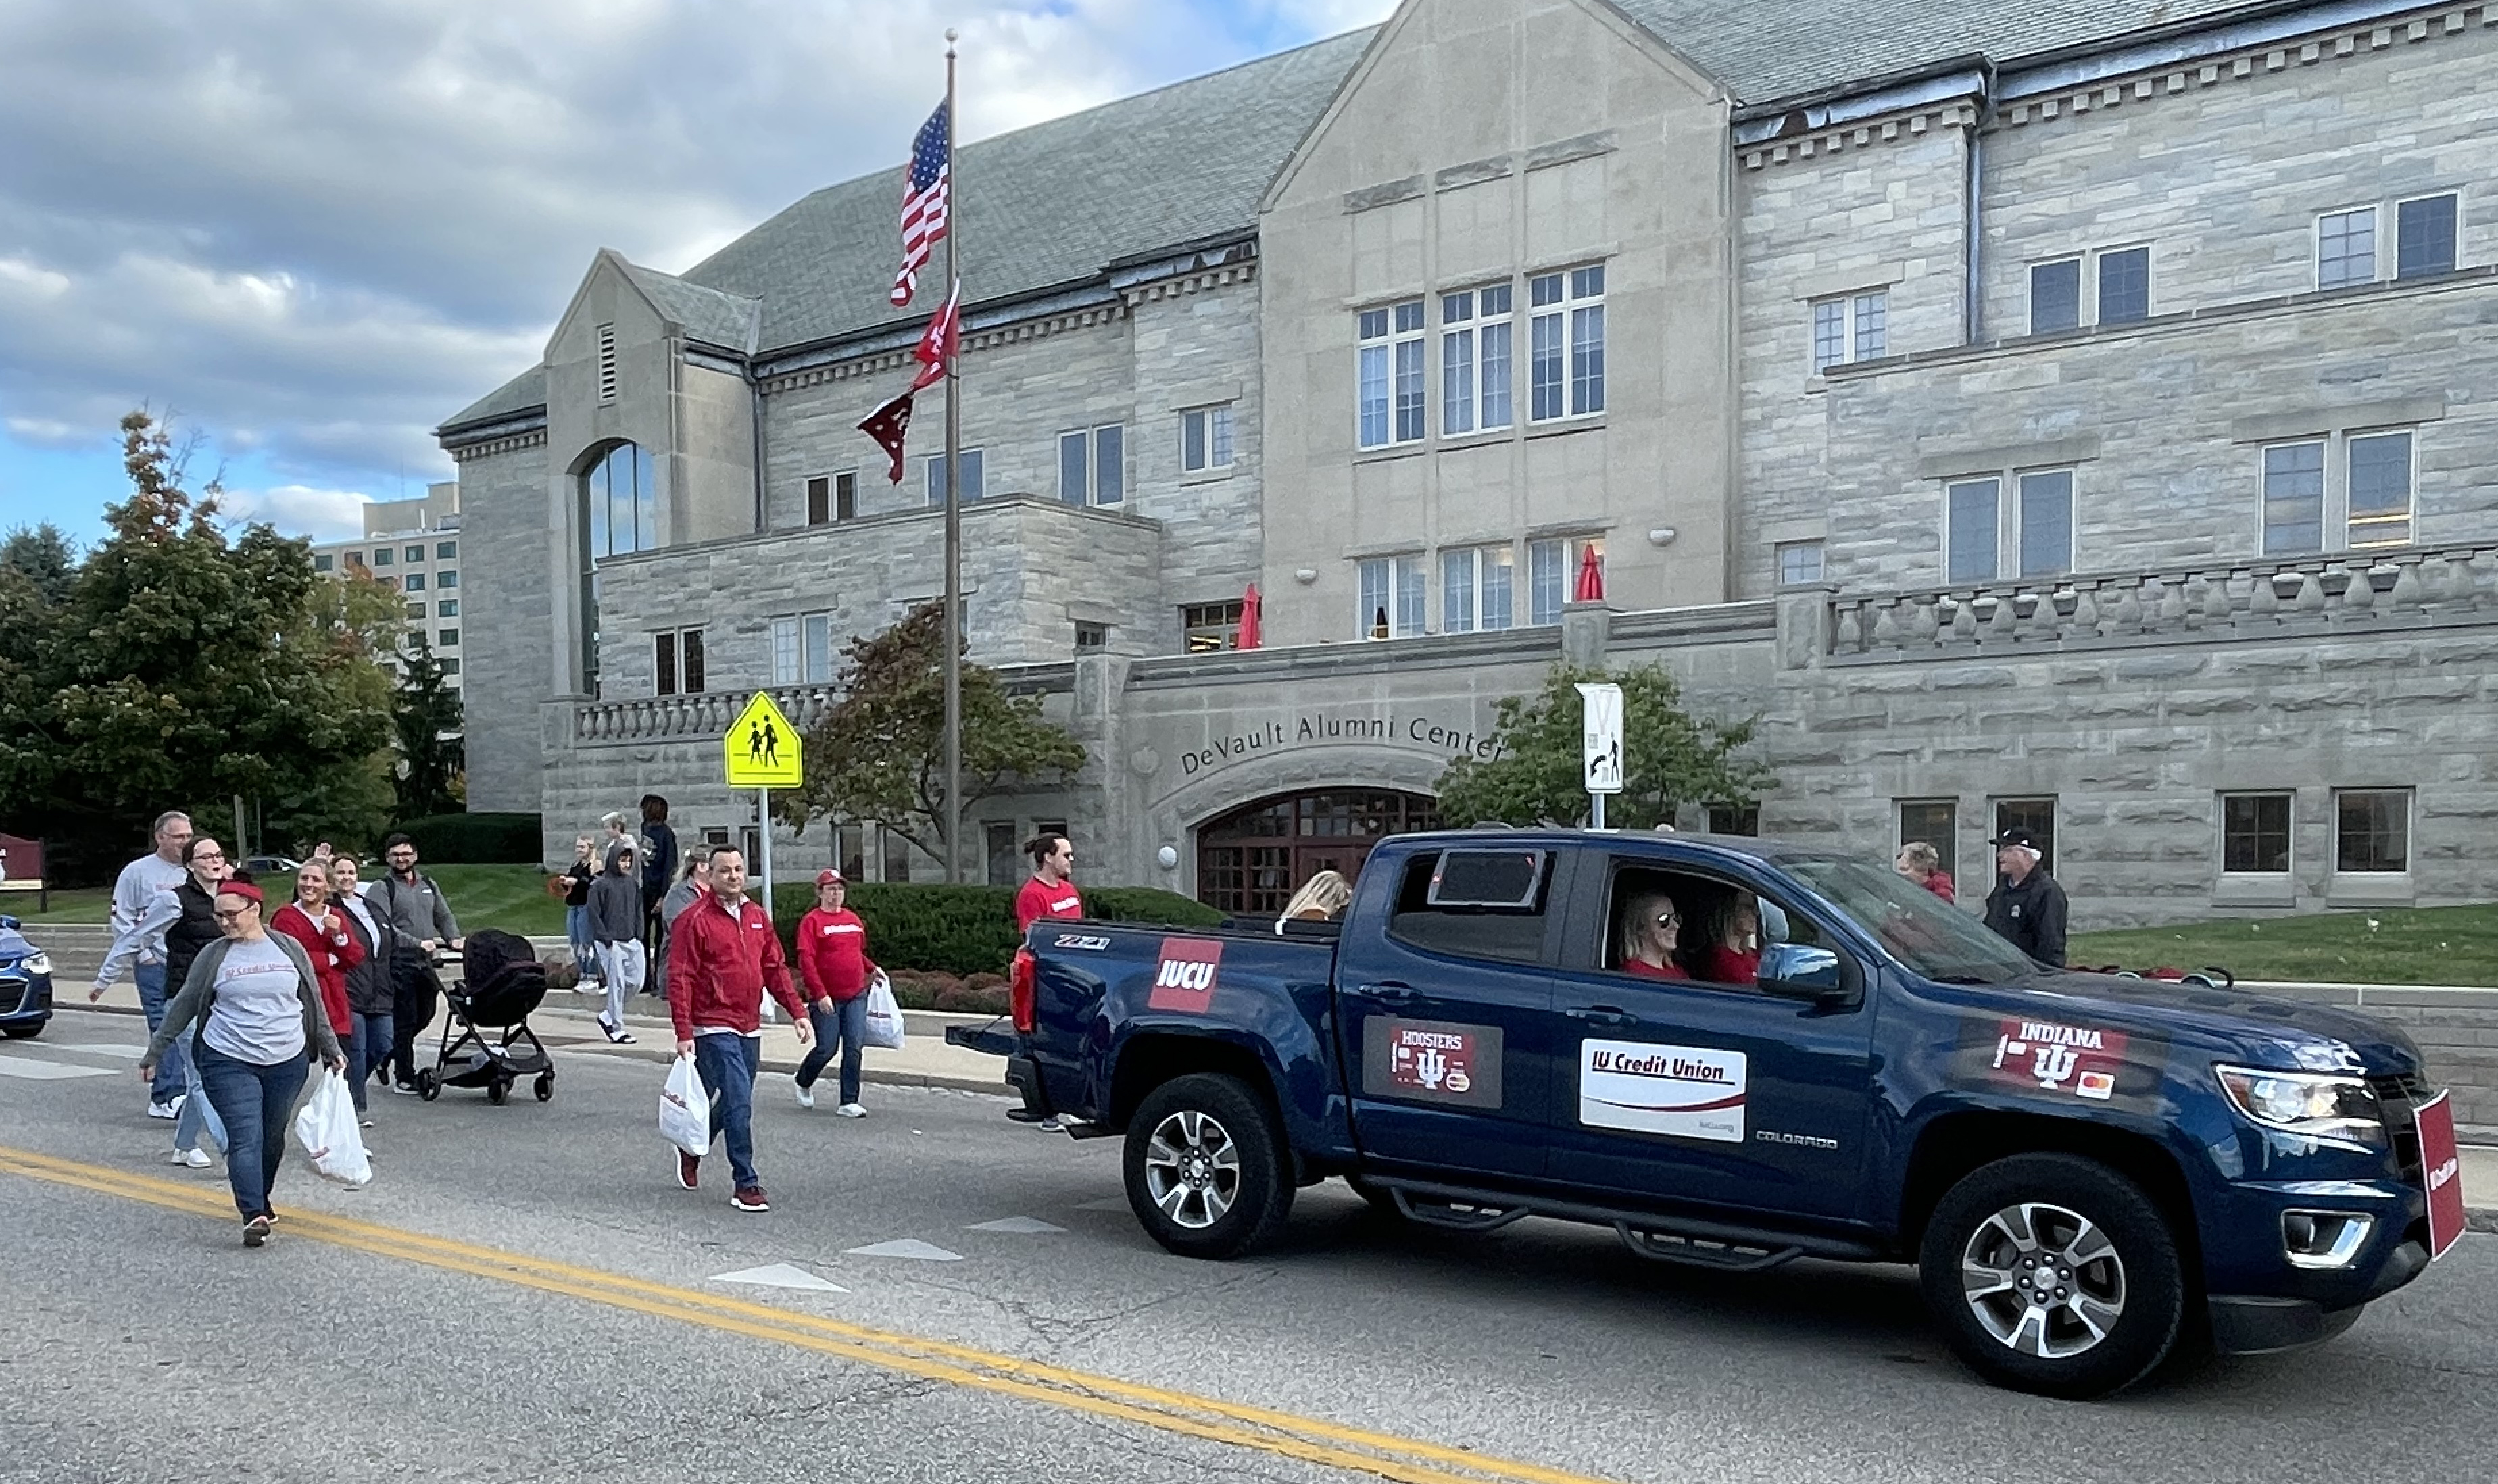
(1335, 728)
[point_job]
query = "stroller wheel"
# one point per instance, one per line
(544, 1087)
(498, 1089)
(427, 1085)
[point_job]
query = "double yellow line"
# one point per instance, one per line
(1266, 1430)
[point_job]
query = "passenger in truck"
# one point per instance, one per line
(1730, 948)
(1650, 928)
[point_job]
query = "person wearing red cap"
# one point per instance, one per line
(1050, 893)
(834, 965)
(256, 1002)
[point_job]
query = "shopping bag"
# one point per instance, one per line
(327, 1131)
(884, 1014)
(684, 1109)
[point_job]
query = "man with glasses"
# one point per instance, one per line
(177, 926)
(134, 893)
(414, 909)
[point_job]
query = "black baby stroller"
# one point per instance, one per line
(501, 981)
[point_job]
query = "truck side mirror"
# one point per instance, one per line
(1801, 972)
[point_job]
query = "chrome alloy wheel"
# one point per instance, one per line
(2044, 1280)
(1191, 1169)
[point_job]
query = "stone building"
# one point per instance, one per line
(412, 546)
(2083, 417)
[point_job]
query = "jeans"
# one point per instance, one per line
(585, 948)
(257, 1102)
(168, 1083)
(414, 990)
(623, 963)
(843, 1028)
(368, 1046)
(199, 1115)
(726, 1063)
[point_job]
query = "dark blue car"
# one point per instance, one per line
(25, 984)
(1735, 1053)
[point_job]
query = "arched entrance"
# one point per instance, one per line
(1250, 861)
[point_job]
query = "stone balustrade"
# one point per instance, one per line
(667, 719)
(2355, 591)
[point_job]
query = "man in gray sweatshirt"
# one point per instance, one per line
(418, 913)
(615, 927)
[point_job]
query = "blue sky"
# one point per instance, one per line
(310, 232)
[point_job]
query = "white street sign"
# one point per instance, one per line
(1600, 764)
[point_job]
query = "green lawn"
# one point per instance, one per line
(2440, 945)
(512, 897)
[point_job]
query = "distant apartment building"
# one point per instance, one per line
(414, 547)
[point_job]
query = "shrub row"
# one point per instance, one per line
(966, 932)
(475, 839)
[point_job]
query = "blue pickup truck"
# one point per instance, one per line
(1735, 1052)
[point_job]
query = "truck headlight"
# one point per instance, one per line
(2339, 1111)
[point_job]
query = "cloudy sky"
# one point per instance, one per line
(310, 231)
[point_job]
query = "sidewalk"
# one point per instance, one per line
(568, 1023)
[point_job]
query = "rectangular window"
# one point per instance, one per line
(1586, 341)
(1492, 337)
(450, 667)
(1092, 638)
(1412, 395)
(2035, 815)
(2047, 523)
(1851, 328)
(1412, 593)
(446, 577)
(690, 664)
(971, 461)
(819, 501)
(1734, 819)
(2055, 297)
(321, 561)
(1456, 363)
(1006, 867)
(845, 496)
(1457, 593)
(416, 612)
(606, 363)
(416, 581)
(2293, 499)
(2254, 835)
(448, 608)
(1392, 597)
(1970, 546)
(1371, 392)
(447, 639)
(897, 856)
(2381, 489)
(1495, 573)
(1548, 579)
(664, 664)
(1799, 562)
(1206, 628)
(2124, 286)
(2425, 237)
(1205, 438)
(1872, 326)
(1933, 822)
(445, 551)
(2346, 248)
(1546, 390)
(383, 557)
(815, 642)
(412, 554)
(1829, 335)
(2372, 830)
(784, 651)
(676, 661)
(1109, 464)
(1075, 465)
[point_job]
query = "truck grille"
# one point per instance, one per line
(2399, 1097)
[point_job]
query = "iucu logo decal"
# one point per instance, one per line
(1185, 978)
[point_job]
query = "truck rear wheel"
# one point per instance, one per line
(2054, 1273)
(1205, 1170)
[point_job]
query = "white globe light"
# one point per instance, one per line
(1168, 858)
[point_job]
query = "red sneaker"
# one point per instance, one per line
(688, 1169)
(750, 1198)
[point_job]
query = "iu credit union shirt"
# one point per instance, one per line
(1038, 900)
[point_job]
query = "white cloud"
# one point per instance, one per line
(300, 509)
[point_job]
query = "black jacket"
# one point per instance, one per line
(2030, 916)
(576, 884)
(371, 983)
(197, 930)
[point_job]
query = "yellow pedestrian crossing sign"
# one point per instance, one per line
(761, 747)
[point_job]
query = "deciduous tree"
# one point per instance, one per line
(1669, 758)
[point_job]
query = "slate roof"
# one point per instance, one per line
(1051, 206)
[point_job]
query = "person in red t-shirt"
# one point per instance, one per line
(1733, 953)
(1050, 893)
(1923, 864)
(1649, 927)
(834, 965)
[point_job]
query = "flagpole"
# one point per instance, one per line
(953, 510)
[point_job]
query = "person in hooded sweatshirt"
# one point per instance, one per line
(616, 927)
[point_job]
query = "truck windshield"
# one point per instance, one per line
(1916, 928)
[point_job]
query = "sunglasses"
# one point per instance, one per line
(1669, 920)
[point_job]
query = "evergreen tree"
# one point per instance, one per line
(425, 719)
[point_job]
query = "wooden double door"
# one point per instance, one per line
(1250, 861)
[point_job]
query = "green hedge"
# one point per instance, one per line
(970, 929)
(477, 839)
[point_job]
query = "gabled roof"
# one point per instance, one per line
(524, 393)
(730, 320)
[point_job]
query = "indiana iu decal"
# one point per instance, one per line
(1184, 980)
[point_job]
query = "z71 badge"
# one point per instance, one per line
(1083, 942)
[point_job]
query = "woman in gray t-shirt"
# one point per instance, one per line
(258, 1007)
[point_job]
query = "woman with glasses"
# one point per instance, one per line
(256, 1002)
(1650, 929)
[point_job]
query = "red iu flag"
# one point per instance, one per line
(1590, 586)
(887, 426)
(940, 342)
(926, 189)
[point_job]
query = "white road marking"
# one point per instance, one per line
(779, 1275)
(1106, 1202)
(1020, 1225)
(33, 1070)
(99, 1047)
(908, 1247)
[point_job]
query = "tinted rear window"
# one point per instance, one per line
(1474, 904)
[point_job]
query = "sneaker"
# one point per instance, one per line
(1051, 1125)
(255, 1232)
(750, 1198)
(806, 1094)
(852, 1111)
(194, 1158)
(408, 1088)
(688, 1169)
(364, 1123)
(170, 1108)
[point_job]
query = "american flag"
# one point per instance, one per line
(924, 203)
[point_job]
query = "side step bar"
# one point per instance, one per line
(1722, 1246)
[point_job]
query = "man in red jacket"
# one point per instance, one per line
(725, 954)
(1050, 893)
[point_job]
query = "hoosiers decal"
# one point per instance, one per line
(1431, 1061)
(1184, 980)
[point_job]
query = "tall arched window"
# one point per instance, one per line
(620, 501)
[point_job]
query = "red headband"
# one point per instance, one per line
(243, 889)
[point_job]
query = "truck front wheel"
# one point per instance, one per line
(1205, 1167)
(2053, 1274)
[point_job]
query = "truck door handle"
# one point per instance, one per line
(1602, 1014)
(1399, 995)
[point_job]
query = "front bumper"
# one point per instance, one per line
(26, 999)
(2253, 1324)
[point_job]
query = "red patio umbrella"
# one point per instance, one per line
(1252, 618)
(1591, 576)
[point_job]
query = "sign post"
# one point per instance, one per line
(760, 751)
(1600, 756)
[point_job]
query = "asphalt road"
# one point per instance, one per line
(524, 1294)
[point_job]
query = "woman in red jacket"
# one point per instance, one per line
(320, 925)
(834, 967)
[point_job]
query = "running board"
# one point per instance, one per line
(1455, 1216)
(1725, 1246)
(1702, 1251)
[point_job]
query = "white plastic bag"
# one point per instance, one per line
(884, 1014)
(684, 1109)
(327, 1131)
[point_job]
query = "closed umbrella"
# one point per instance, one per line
(1252, 618)
(1591, 576)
